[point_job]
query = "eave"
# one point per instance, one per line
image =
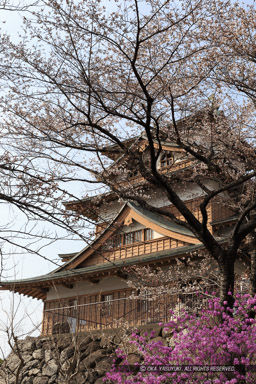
(38, 287)
(227, 220)
(114, 151)
(90, 206)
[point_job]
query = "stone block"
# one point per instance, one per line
(93, 346)
(47, 355)
(31, 364)
(80, 378)
(33, 372)
(50, 368)
(13, 362)
(27, 380)
(83, 344)
(63, 342)
(93, 358)
(104, 365)
(38, 354)
(27, 345)
(99, 381)
(92, 376)
(106, 340)
(52, 380)
(41, 380)
(67, 354)
(133, 359)
(41, 342)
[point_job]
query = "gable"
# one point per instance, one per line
(121, 239)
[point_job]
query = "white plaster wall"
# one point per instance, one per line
(156, 235)
(86, 287)
(135, 226)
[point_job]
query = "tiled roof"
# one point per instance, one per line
(160, 220)
(72, 274)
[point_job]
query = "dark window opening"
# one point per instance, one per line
(166, 160)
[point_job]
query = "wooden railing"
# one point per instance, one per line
(142, 248)
(176, 166)
(135, 249)
(115, 313)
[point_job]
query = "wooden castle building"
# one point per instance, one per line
(90, 291)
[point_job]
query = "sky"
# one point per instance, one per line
(27, 312)
(24, 312)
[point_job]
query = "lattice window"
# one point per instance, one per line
(117, 241)
(166, 160)
(132, 237)
(107, 304)
(148, 234)
(114, 242)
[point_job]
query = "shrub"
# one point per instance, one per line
(217, 347)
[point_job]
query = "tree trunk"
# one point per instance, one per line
(253, 271)
(227, 270)
(253, 264)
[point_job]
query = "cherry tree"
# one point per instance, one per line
(32, 217)
(88, 76)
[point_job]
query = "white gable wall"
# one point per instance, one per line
(85, 287)
(135, 226)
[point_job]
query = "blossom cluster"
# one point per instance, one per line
(221, 336)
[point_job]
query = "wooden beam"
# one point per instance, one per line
(43, 290)
(94, 280)
(122, 274)
(41, 296)
(170, 148)
(68, 285)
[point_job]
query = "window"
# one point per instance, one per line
(148, 234)
(166, 160)
(72, 315)
(132, 237)
(117, 241)
(114, 242)
(107, 304)
(137, 236)
(126, 239)
(143, 302)
(72, 308)
(107, 298)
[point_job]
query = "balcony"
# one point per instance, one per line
(136, 249)
(177, 166)
(110, 314)
(140, 248)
